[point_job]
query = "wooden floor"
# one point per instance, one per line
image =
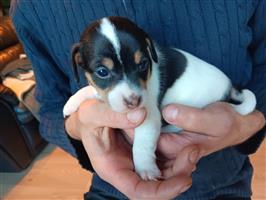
(57, 176)
(259, 179)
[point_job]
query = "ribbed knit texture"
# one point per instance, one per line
(230, 34)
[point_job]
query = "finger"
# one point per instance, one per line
(206, 121)
(136, 188)
(129, 134)
(251, 124)
(167, 189)
(185, 162)
(99, 114)
(169, 144)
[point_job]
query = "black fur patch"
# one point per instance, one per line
(228, 98)
(93, 51)
(173, 65)
(95, 47)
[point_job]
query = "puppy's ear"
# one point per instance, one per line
(76, 59)
(152, 50)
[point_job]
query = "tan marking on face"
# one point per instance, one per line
(149, 72)
(148, 41)
(149, 46)
(137, 56)
(108, 62)
(77, 58)
(102, 93)
(143, 83)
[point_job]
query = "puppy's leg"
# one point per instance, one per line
(145, 143)
(171, 129)
(80, 96)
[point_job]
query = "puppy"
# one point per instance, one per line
(127, 70)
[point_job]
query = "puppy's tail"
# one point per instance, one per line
(246, 98)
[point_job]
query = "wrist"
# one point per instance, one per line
(71, 127)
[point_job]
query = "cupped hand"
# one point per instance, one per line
(212, 128)
(111, 156)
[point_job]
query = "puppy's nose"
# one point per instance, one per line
(133, 101)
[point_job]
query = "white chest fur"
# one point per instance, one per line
(147, 134)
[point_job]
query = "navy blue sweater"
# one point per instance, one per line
(228, 34)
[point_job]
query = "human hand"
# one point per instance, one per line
(212, 128)
(111, 156)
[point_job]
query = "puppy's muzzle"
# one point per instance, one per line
(133, 101)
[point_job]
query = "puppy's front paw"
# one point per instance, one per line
(151, 173)
(70, 107)
(81, 95)
(147, 169)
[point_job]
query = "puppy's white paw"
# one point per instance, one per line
(81, 95)
(147, 168)
(171, 129)
(70, 107)
(149, 173)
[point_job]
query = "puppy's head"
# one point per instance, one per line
(117, 57)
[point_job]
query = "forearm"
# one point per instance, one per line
(52, 129)
(74, 137)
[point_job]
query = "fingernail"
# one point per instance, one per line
(170, 113)
(135, 116)
(185, 188)
(194, 156)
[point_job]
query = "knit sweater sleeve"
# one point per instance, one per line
(257, 83)
(52, 85)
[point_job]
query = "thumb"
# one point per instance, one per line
(185, 117)
(101, 115)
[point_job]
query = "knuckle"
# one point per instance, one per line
(228, 120)
(261, 120)
(115, 120)
(86, 111)
(256, 123)
(191, 119)
(81, 115)
(114, 117)
(230, 124)
(120, 120)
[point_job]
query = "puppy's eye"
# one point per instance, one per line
(143, 66)
(103, 72)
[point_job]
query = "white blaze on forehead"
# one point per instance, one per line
(108, 30)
